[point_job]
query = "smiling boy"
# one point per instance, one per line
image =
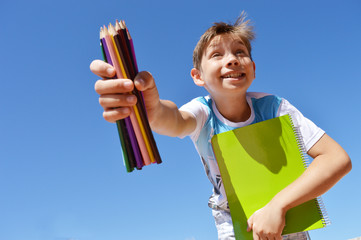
(223, 66)
(226, 72)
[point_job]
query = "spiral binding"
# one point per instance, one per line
(302, 148)
(323, 212)
(300, 144)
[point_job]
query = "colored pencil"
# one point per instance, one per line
(127, 152)
(138, 144)
(131, 62)
(129, 69)
(138, 158)
(134, 114)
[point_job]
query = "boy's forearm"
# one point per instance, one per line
(168, 120)
(330, 164)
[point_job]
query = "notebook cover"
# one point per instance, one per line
(256, 162)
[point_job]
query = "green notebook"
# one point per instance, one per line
(256, 162)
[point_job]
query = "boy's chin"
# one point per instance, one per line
(234, 91)
(235, 85)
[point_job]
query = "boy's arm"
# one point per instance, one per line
(330, 164)
(164, 115)
(116, 99)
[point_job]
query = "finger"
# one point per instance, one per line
(250, 224)
(274, 237)
(113, 86)
(114, 114)
(278, 237)
(249, 227)
(117, 100)
(144, 81)
(102, 69)
(262, 236)
(256, 236)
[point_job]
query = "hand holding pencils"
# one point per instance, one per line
(137, 141)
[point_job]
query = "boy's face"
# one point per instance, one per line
(226, 66)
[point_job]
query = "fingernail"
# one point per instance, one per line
(110, 71)
(140, 81)
(130, 99)
(125, 110)
(127, 84)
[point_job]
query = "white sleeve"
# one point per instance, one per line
(309, 131)
(200, 113)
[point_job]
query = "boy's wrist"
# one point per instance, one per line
(279, 203)
(154, 113)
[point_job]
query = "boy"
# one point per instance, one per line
(223, 66)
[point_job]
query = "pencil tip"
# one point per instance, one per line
(117, 26)
(121, 24)
(105, 31)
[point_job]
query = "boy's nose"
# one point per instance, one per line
(232, 61)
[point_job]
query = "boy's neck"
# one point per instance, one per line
(234, 109)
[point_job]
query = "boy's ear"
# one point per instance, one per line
(197, 79)
(254, 68)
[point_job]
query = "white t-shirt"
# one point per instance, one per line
(210, 122)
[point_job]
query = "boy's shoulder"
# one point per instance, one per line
(265, 105)
(255, 95)
(263, 97)
(203, 99)
(259, 95)
(259, 98)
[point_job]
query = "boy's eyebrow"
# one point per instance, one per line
(241, 42)
(214, 45)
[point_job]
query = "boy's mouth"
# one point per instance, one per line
(234, 75)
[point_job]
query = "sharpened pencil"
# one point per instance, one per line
(138, 159)
(121, 41)
(120, 72)
(128, 155)
(137, 140)
(123, 32)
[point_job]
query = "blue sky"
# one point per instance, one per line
(61, 170)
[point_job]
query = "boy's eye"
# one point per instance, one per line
(216, 54)
(240, 52)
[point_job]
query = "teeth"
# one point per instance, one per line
(234, 75)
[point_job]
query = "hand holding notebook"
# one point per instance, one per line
(270, 218)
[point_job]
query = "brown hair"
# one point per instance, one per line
(240, 28)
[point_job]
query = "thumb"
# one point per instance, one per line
(144, 81)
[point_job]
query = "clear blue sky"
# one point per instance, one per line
(61, 170)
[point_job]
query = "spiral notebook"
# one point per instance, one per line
(256, 162)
